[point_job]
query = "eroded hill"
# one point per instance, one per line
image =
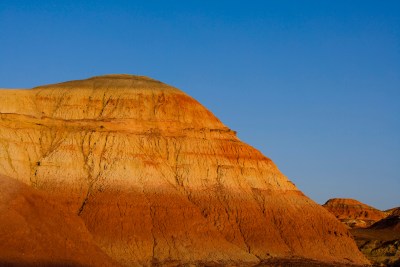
(158, 179)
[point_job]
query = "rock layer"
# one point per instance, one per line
(353, 213)
(158, 179)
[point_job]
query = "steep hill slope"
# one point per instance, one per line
(158, 179)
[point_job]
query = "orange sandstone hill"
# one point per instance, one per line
(158, 179)
(353, 213)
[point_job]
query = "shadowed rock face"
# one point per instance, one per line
(394, 212)
(158, 179)
(353, 213)
(35, 230)
(380, 242)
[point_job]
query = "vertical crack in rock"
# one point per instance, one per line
(238, 221)
(259, 198)
(95, 161)
(105, 102)
(50, 140)
(152, 212)
(60, 99)
(6, 148)
(159, 100)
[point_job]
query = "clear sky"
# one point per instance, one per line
(314, 85)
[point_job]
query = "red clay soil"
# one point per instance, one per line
(36, 231)
(158, 179)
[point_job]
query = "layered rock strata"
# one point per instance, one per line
(158, 179)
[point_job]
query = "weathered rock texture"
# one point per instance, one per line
(36, 231)
(353, 213)
(158, 179)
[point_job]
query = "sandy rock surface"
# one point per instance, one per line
(157, 179)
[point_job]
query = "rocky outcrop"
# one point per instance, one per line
(158, 179)
(353, 213)
(36, 231)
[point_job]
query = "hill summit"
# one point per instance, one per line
(157, 179)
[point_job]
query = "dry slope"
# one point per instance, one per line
(159, 179)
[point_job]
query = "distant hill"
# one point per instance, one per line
(353, 213)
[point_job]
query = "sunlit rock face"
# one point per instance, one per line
(158, 179)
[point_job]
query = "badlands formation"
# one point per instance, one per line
(150, 177)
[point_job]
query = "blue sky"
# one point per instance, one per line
(314, 85)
